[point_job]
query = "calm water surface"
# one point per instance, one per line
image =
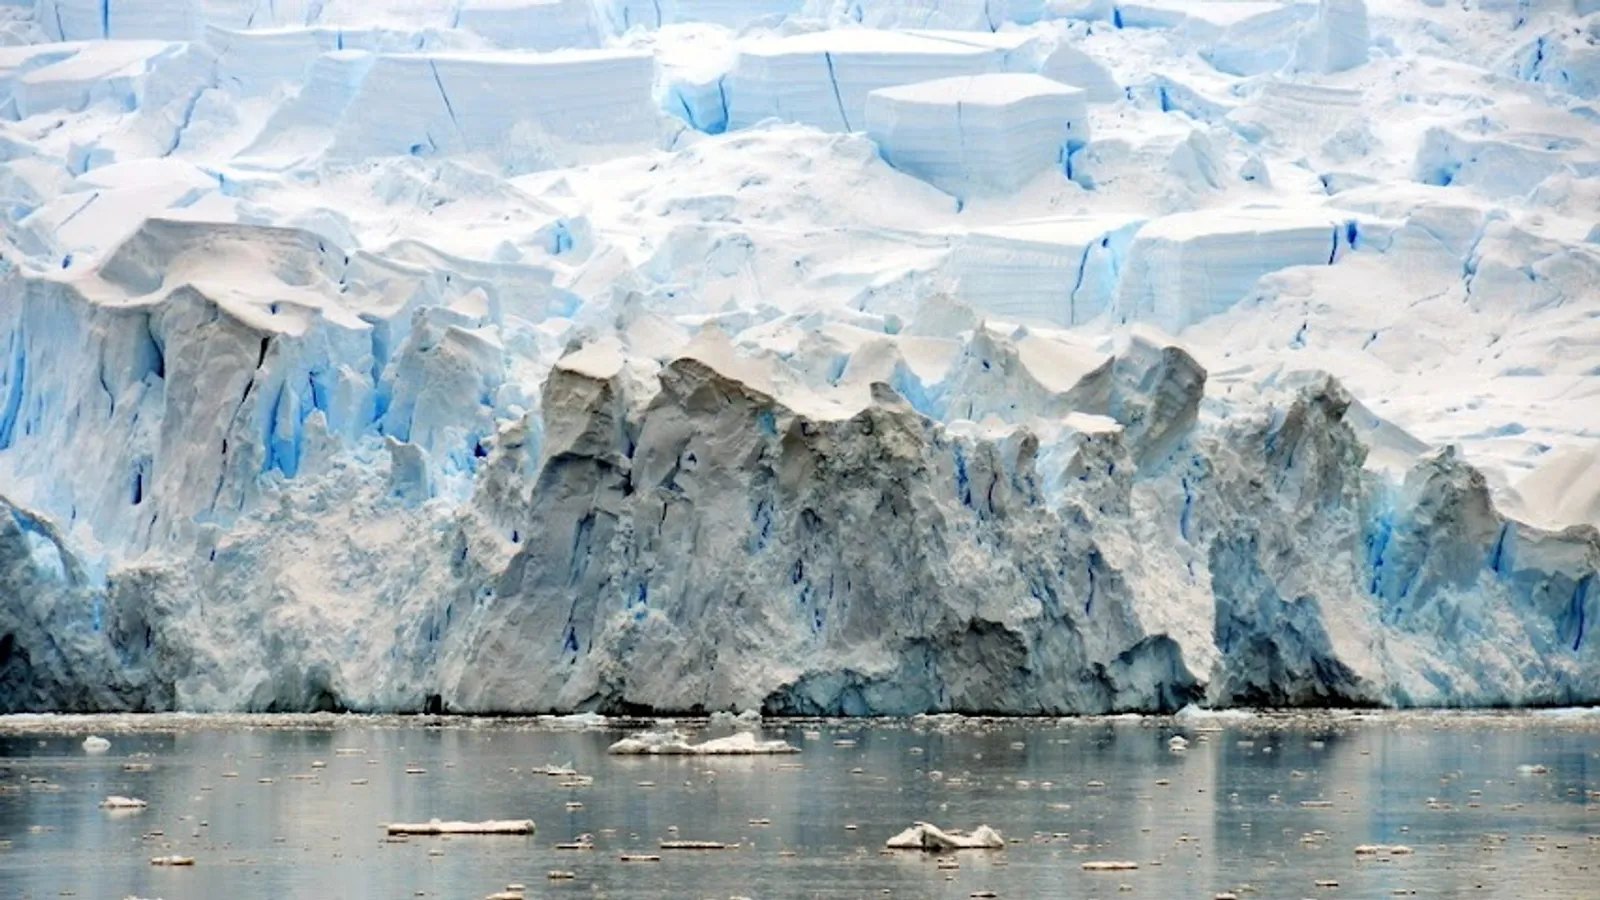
(1226, 815)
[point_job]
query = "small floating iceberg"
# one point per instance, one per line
(436, 827)
(94, 743)
(673, 743)
(922, 836)
(576, 721)
(115, 802)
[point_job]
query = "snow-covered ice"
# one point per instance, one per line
(978, 133)
(798, 356)
(930, 838)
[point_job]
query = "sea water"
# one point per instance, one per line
(1273, 806)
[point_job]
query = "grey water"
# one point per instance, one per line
(1259, 807)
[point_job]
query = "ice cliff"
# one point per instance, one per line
(809, 357)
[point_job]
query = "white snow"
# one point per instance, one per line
(803, 356)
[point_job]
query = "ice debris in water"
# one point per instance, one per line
(675, 743)
(95, 744)
(584, 721)
(437, 827)
(749, 720)
(118, 802)
(922, 836)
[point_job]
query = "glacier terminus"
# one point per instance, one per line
(809, 357)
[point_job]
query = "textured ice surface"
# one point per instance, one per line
(823, 78)
(802, 356)
(980, 133)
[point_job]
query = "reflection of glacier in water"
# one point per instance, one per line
(797, 355)
(1273, 805)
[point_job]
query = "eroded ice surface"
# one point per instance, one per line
(807, 356)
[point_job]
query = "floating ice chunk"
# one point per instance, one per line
(173, 860)
(922, 836)
(95, 744)
(1178, 743)
(116, 802)
(673, 743)
(575, 720)
(1200, 713)
(747, 720)
(437, 827)
(978, 134)
(1383, 850)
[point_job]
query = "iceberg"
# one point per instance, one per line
(672, 743)
(923, 836)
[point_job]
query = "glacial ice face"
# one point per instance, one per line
(980, 134)
(556, 355)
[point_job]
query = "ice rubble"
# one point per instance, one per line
(506, 355)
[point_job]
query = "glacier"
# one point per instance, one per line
(807, 357)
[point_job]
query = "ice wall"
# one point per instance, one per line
(1058, 271)
(520, 109)
(823, 79)
(1183, 268)
(1100, 543)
